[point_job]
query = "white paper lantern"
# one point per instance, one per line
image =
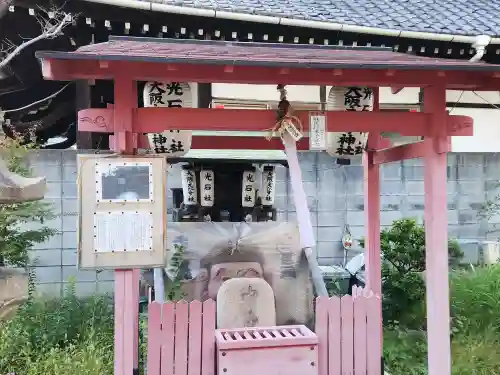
(248, 189)
(189, 188)
(268, 186)
(348, 144)
(171, 143)
(207, 188)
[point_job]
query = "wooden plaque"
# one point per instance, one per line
(123, 211)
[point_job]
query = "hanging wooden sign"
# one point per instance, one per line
(170, 143)
(122, 222)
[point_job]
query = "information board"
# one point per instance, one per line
(123, 215)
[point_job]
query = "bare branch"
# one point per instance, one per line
(52, 22)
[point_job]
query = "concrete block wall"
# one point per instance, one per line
(334, 194)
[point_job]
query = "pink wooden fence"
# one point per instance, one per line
(349, 333)
(178, 331)
(348, 329)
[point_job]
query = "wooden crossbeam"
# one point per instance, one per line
(71, 69)
(154, 120)
(404, 152)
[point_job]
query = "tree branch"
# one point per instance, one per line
(52, 24)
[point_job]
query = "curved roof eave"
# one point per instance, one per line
(464, 36)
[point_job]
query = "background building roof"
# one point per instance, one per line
(457, 17)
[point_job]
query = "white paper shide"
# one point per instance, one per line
(189, 188)
(122, 231)
(358, 99)
(317, 131)
(207, 188)
(268, 186)
(171, 143)
(248, 189)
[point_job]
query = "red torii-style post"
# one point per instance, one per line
(434, 150)
(127, 60)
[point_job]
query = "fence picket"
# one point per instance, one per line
(334, 337)
(322, 331)
(181, 338)
(195, 336)
(347, 332)
(208, 338)
(374, 337)
(360, 343)
(154, 339)
(168, 339)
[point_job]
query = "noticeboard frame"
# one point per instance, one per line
(92, 205)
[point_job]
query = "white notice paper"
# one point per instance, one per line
(317, 133)
(123, 231)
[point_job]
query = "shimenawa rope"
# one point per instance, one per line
(285, 119)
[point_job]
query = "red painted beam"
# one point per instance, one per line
(243, 143)
(396, 90)
(403, 152)
(152, 71)
(377, 142)
(154, 120)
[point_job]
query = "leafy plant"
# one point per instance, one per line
(403, 250)
(177, 271)
(67, 335)
(475, 300)
(71, 335)
(15, 239)
(333, 288)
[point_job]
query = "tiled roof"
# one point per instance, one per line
(258, 54)
(456, 17)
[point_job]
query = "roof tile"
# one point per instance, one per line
(457, 17)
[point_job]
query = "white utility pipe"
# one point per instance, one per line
(480, 44)
(159, 285)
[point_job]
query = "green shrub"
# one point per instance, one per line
(405, 353)
(403, 250)
(47, 332)
(475, 300)
(475, 308)
(476, 354)
(73, 336)
(15, 239)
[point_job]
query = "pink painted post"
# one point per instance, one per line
(372, 210)
(126, 281)
(373, 260)
(436, 235)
